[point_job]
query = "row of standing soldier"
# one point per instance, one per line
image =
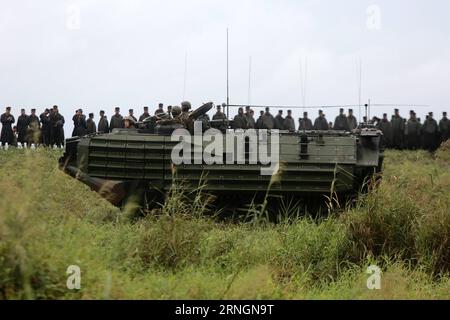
(47, 129)
(83, 126)
(398, 133)
(246, 120)
(401, 133)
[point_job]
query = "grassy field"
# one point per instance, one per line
(49, 221)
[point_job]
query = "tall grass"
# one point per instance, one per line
(408, 216)
(49, 221)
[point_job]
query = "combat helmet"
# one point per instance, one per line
(176, 111)
(185, 106)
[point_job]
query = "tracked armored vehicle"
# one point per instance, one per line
(138, 162)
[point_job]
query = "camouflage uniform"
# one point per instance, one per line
(352, 122)
(219, 115)
(267, 121)
(177, 117)
(321, 123)
(240, 122)
(279, 121)
(250, 121)
(103, 125)
(305, 124)
(91, 127)
(116, 122)
(341, 123)
(289, 123)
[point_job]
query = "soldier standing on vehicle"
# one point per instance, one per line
(289, 122)
(444, 127)
(279, 120)
(169, 112)
(430, 133)
(91, 127)
(7, 119)
(44, 117)
(251, 119)
(258, 124)
(103, 125)
(305, 122)
(247, 111)
(267, 120)
(249, 114)
(22, 127)
(351, 120)
(160, 109)
(219, 115)
(341, 122)
(240, 120)
(116, 120)
(185, 120)
(145, 115)
(131, 114)
(321, 122)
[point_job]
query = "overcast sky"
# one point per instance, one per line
(96, 54)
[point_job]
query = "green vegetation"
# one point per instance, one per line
(49, 221)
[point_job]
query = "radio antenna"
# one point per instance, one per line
(305, 81)
(228, 84)
(303, 77)
(359, 66)
(249, 80)
(185, 75)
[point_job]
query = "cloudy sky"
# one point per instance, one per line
(97, 54)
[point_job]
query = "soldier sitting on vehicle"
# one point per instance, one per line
(174, 119)
(185, 118)
(128, 122)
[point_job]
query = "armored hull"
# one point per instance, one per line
(131, 162)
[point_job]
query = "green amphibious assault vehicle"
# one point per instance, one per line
(138, 162)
